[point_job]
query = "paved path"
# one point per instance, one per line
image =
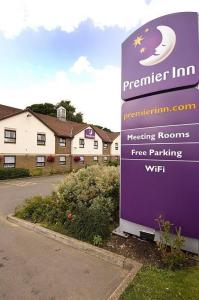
(35, 267)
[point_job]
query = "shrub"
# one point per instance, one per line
(170, 245)
(87, 223)
(83, 187)
(36, 172)
(85, 205)
(113, 163)
(9, 173)
(36, 209)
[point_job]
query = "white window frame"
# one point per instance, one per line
(95, 158)
(8, 164)
(81, 159)
(61, 160)
(9, 139)
(62, 142)
(105, 158)
(42, 141)
(81, 143)
(105, 145)
(96, 144)
(40, 161)
(116, 146)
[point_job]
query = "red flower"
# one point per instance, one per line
(50, 158)
(69, 216)
(76, 158)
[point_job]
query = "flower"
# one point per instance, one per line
(50, 158)
(69, 216)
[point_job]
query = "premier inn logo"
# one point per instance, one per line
(161, 55)
(154, 46)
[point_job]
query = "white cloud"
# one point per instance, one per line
(81, 65)
(16, 15)
(98, 98)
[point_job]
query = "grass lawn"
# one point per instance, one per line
(152, 283)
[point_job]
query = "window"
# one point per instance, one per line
(40, 161)
(105, 145)
(62, 160)
(10, 136)
(62, 142)
(116, 146)
(105, 158)
(95, 144)
(81, 159)
(41, 139)
(81, 143)
(95, 158)
(9, 161)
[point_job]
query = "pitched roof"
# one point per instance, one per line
(106, 136)
(6, 111)
(113, 135)
(60, 128)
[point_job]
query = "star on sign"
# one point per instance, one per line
(138, 40)
(142, 50)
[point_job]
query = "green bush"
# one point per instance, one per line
(85, 204)
(170, 244)
(9, 173)
(87, 223)
(36, 172)
(113, 163)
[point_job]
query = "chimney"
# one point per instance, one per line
(61, 113)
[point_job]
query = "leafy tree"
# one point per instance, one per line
(44, 108)
(51, 110)
(104, 128)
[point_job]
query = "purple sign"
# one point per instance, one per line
(89, 133)
(161, 55)
(160, 160)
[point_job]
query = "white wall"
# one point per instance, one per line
(113, 151)
(26, 135)
(88, 145)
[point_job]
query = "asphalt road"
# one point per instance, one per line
(35, 267)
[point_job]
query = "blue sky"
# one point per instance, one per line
(50, 50)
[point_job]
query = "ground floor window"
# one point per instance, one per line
(9, 161)
(95, 158)
(81, 160)
(62, 160)
(40, 161)
(105, 158)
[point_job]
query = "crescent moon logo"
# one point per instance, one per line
(162, 51)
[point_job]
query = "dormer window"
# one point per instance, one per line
(62, 142)
(105, 146)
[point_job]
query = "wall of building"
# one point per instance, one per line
(113, 150)
(88, 146)
(107, 151)
(60, 149)
(30, 162)
(27, 126)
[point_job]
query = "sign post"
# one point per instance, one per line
(160, 127)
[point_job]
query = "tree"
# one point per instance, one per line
(44, 108)
(51, 110)
(104, 128)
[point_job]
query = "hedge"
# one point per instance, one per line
(8, 173)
